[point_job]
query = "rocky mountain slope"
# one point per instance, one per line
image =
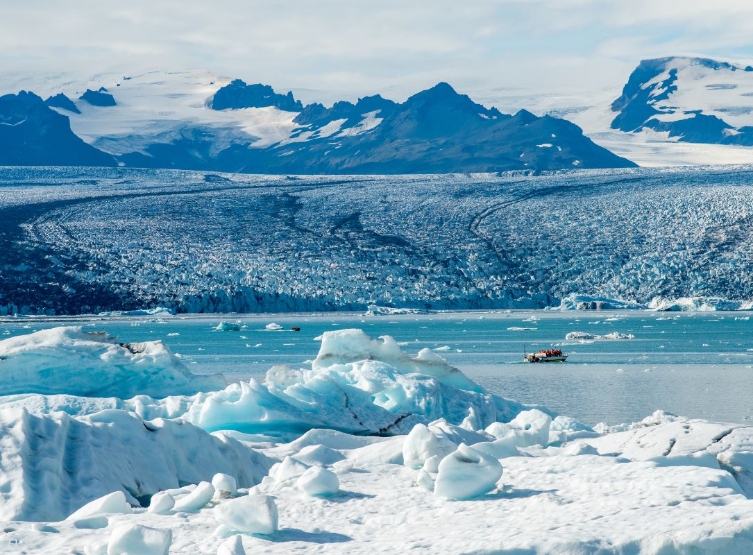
(195, 120)
(695, 100)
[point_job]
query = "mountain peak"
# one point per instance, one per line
(698, 100)
(238, 95)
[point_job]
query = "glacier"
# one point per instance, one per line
(93, 240)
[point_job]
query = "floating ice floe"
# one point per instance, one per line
(157, 311)
(698, 304)
(273, 327)
(93, 364)
(583, 335)
(374, 310)
(575, 301)
(228, 326)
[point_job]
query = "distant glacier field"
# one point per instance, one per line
(88, 240)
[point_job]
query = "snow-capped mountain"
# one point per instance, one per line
(196, 120)
(695, 100)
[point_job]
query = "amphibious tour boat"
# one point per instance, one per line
(546, 355)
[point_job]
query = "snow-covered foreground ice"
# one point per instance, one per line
(470, 473)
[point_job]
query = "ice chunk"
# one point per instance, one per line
(421, 444)
(574, 335)
(530, 427)
(252, 514)
(385, 452)
(161, 503)
(318, 481)
(500, 448)
(112, 503)
(232, 546)
(91, 523)
(287, 471)
(197, 499)
(582, 335)
(69, 360)
(344, 346)
(224, 485)
(580, 448)
(283, 376)
(425, 480)
(273, 327)
(467, 473)
(228, 326)
(135, 538)
(319, 455)
(431, 464)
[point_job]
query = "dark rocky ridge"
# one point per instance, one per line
(32, 134)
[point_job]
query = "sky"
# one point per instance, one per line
(326, 50)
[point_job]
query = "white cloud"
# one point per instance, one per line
(345, 48)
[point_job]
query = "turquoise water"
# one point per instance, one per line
(697, 365)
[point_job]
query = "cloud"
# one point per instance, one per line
(335, 48)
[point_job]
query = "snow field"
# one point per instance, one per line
(106, 480)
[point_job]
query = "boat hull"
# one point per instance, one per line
(537, 358)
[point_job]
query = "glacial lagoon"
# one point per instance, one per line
(694, 364)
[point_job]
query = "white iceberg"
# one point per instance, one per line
(575, 301)
(93, 364)
(161, 503)
(318, 481)
(467, 473)
(197, 499)
(135, 538)
(112, 503)
(228, 326)
(251, 514)
(698, 304)
(584, 335)
(54, 465)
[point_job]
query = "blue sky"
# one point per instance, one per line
(330, 49)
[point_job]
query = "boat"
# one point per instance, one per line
(546, 355)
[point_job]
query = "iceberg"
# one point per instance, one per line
(575, 301)
(68, 360)
(135, 538)
(252, 514)
(228, 326)
(584, 336)
(53, 465)
(697, 304)
(467, 473)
